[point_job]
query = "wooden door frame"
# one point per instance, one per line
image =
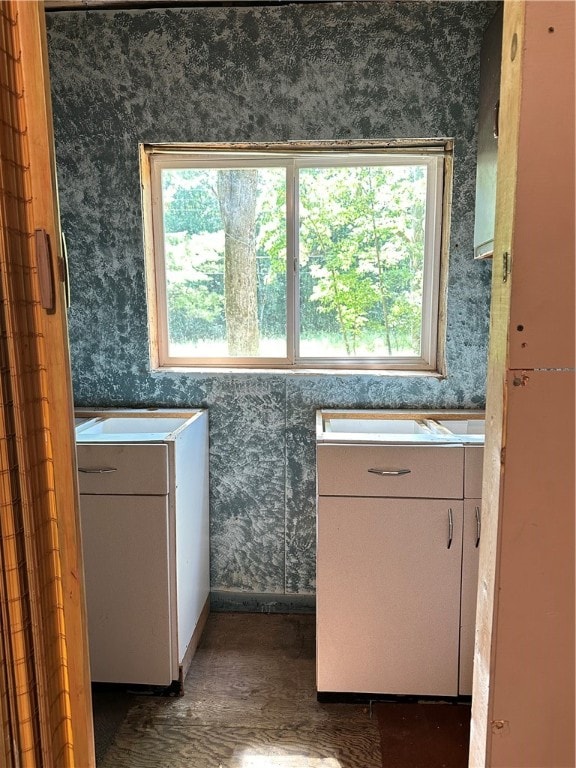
(523, 695)
(36, 85)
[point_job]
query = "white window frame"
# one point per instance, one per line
(436, 156)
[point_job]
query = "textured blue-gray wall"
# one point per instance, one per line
(374, 70)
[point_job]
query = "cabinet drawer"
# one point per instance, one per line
(434, 471)
(473, 461)
(123, 469)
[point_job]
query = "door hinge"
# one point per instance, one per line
(506, 265)
(45, 273)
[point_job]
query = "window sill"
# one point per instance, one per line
(384, 373)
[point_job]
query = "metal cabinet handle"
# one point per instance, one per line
(97, 470)
(478, 525)
(450, 528)
(390, 472)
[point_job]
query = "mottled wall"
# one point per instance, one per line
(386, 70)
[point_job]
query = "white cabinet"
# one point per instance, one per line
(144, 513)
(398, 524)
(388, 595)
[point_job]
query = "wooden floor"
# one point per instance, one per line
(249, 702)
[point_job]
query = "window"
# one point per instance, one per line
(294, 259)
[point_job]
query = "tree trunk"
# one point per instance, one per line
(237, 190)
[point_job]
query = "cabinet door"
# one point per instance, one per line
(388, 595)
(126, 563)
(470, 553)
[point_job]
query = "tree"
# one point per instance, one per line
(237, 194)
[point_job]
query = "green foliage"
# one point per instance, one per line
(195, 286)
(194, 312)
(361, 237)
(346, 295)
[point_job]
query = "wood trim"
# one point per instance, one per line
(87, 5)
(510, 93)
(440, 145)
(152, 297)
(446, 225)
(523, 693)
(34, 61)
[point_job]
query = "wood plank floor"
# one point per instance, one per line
(249, 702)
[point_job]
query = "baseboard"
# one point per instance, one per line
(261, 602)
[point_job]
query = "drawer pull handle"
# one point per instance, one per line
(390, 472)
(97, 470)
(450, 528)
(478, 525)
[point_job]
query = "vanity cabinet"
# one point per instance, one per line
(388, 569)
(397, 562)
(143, 480)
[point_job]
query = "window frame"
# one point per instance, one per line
(436, 155)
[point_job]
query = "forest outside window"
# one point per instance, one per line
(294, 259)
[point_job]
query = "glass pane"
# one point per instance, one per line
(361, 260)
(225, 255)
